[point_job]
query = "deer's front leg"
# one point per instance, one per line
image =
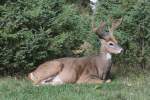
(108, 79)
(97, 81)
(91, 81)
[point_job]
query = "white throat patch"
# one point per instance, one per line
(108, 56)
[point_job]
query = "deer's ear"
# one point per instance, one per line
(99, 29)
(115, 25)
(103, 41)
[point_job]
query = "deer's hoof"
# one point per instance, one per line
(108, 81)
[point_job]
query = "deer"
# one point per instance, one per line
(93, 69)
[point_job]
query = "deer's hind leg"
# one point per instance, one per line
(46, 72)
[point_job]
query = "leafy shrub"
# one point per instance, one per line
(134, 33)
(33, 31)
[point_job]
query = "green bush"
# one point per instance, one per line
(134, 32)
(33, 31)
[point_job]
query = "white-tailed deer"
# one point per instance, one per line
(92, 69)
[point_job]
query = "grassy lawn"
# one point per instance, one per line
(131, 87)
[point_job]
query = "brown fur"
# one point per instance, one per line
(46, 70)
(92, 69)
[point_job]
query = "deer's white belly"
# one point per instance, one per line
(55, 81)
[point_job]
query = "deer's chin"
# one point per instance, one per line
(115, 51)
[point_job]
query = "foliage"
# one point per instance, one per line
(33, 31)
(134, 33)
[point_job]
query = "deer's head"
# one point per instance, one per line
(108, 41)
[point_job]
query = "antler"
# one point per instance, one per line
(115, 24)
(106, 35)
(99, 29)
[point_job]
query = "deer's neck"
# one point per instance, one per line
(106, 55)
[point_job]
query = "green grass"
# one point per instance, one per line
(131, 87)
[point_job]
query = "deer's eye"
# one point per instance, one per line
(111, 44)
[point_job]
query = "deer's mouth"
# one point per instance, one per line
(114, 50)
